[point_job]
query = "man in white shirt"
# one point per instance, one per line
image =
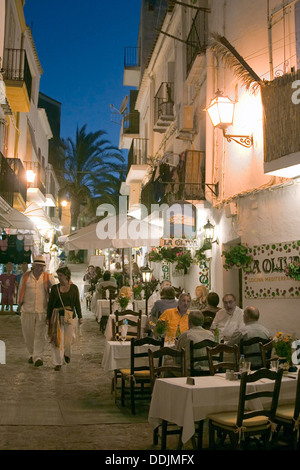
(195, 333)
(156, 294)
(33, 295)
(228, 319)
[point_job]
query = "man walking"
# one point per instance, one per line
(33, 294)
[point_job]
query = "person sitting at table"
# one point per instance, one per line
(177, 318)
(105, 283)
(228, 319)
(251, 329)
(211, 309)
(125, 291)
(157, 293)
(195, 333)
(200, 301)
(167, 300)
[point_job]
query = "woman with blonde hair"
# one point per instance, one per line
(200, 301)
(127, 292)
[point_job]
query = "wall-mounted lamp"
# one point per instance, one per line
(64, 203)
(209, 230)
(30, 176)
(221, 113)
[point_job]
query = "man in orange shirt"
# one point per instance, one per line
(177, 317)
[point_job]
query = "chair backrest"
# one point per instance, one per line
(199, 365)
(247, 394)
(134, 327)
(266, 353)
(166, 362)
(251, 350)
(139, 354)
(230, 361)
(113, 292)
(119, 313)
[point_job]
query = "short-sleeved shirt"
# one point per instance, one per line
(174, 319)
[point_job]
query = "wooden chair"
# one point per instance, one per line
(113, 293)
(197, 361)
(138, 376)
(266, 353)
(134, 328)
(287, 416)
(251, 350)
(166, 362)
(241, 424)
(222, 365)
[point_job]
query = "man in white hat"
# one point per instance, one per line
(33, 295)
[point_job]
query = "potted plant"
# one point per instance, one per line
(181, 256)
(283, 348)
(137, 290)
(292, 270)
(238, 257)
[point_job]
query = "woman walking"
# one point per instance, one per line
(63, 306)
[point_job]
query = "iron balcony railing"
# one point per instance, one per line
(16, 67)
(8, 181)
(20, 182)
(131, 123)
(164, 101)
(197, 39)
(137, 154)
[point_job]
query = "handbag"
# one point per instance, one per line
(68, 312)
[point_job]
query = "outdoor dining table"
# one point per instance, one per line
(102, 309)
(117, 356)
(108, 330)
(174, 401)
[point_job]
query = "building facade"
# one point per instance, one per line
(242, 176)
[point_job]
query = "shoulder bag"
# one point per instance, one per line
(68, 312)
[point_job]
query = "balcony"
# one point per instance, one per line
(164, 107)
(132, 67)
(130, 122)
(197, 42)
(20, 183)
(18, 79)
(281, 126)
(36, 189)
(137, 161)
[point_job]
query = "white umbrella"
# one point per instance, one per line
(119, 231)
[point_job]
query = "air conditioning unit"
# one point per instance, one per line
(170, 159)
(186, 119)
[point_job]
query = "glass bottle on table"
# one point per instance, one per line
(178, 332)
(242, 364)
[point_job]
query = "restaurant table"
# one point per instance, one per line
(139, 305)
(102, 309)
(117, 355)
(175, 401)
(108, 329)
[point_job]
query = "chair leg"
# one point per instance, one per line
(122, 391)
(155, 436)
(132, 396)
(164, 425)
(200, 434)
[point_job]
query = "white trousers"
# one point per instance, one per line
(34, 330)
(66, 341)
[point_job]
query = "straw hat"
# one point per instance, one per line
(39, 260)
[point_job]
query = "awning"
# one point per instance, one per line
(38, 216)
(15, 219)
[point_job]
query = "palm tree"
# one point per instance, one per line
(93, 172)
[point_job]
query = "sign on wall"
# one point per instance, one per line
(267, 279)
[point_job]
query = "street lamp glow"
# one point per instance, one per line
(30, 176)
(64, 203)
(221, 110)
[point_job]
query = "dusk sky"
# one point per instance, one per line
(81, 49)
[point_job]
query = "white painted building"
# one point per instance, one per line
(247, 193)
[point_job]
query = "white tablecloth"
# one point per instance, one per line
(117, 355)
(139, 305)
(108, 329)
(102, 309)
(176, 402)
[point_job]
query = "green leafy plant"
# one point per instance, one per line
(292, 270)
(159, 328)
(123, 301)
(238, 257)
(137, 290)
(181, 256)
(283, 345)
(200, 255)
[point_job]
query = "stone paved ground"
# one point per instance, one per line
(41, 409)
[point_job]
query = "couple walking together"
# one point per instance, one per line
(42, 304)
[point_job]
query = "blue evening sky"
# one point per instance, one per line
(80, 45)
